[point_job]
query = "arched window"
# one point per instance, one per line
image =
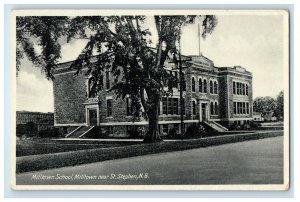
(91, 88)
(194, 107)
(193, 85)
(211, 87)
(215, 87)
(216, 108)
(205, 86)
(200, 86)
(211, 108)
(247, 90)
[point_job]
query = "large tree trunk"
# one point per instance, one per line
(152, 134)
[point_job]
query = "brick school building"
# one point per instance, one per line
(219, 97)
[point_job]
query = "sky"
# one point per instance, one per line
(253, 42)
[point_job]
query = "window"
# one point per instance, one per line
(193, 84)
(247, 90)
(211, 87)
(243, 89)
(109, 107)
(211, 108)
(165, 110)
(175, 106)
(205, 86)
(234, 88)
(200, 85)
(165, 128)
(215, 87)
(128, 107)
(238, 108)
(234, 108)
(244, 107)
(194, 108)
(247, 108)
(241, 108)
(107, 80)
(176, 127)
(170, 105)
(183, 105)
(91, 89)
(216, 108)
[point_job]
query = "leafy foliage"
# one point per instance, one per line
(279, 111)
(44, 32)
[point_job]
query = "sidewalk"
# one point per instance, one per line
(167, 140)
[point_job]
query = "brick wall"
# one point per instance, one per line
(69, 96)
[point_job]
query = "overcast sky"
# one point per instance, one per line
(253, 42)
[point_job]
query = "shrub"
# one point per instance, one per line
(136, 132)
(195, 130)
(50, 132)
(28, 130)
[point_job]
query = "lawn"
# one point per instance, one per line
(45, 146)
(117, 150)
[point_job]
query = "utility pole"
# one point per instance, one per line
(199, 38)
(181, 85)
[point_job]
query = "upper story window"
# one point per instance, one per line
(193, 84)
(109, 107)
(240, 88)
(107, 76)
(211, 87)
(204, 86)
(91, 88)
(234, 88)
(200, 86)
(215, 87)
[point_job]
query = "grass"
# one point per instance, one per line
(72, 158)
(47, 146)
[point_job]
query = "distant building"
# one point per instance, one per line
(257, 117)
(213, 95)
(41, 120)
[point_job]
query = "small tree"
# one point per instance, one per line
(279, 111)
(264, 105)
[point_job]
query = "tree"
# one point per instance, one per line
(44, 33)
(264, 105)
(279, 110)
(122, 46)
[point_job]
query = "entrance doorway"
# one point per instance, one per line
(203, 111)
(92, 117)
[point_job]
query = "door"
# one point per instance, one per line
(203, 109)
(93, 117)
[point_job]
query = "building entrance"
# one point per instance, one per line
(92, 117)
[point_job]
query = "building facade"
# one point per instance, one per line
(221, 95)
(41, 120)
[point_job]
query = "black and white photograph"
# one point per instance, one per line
(150, 99)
